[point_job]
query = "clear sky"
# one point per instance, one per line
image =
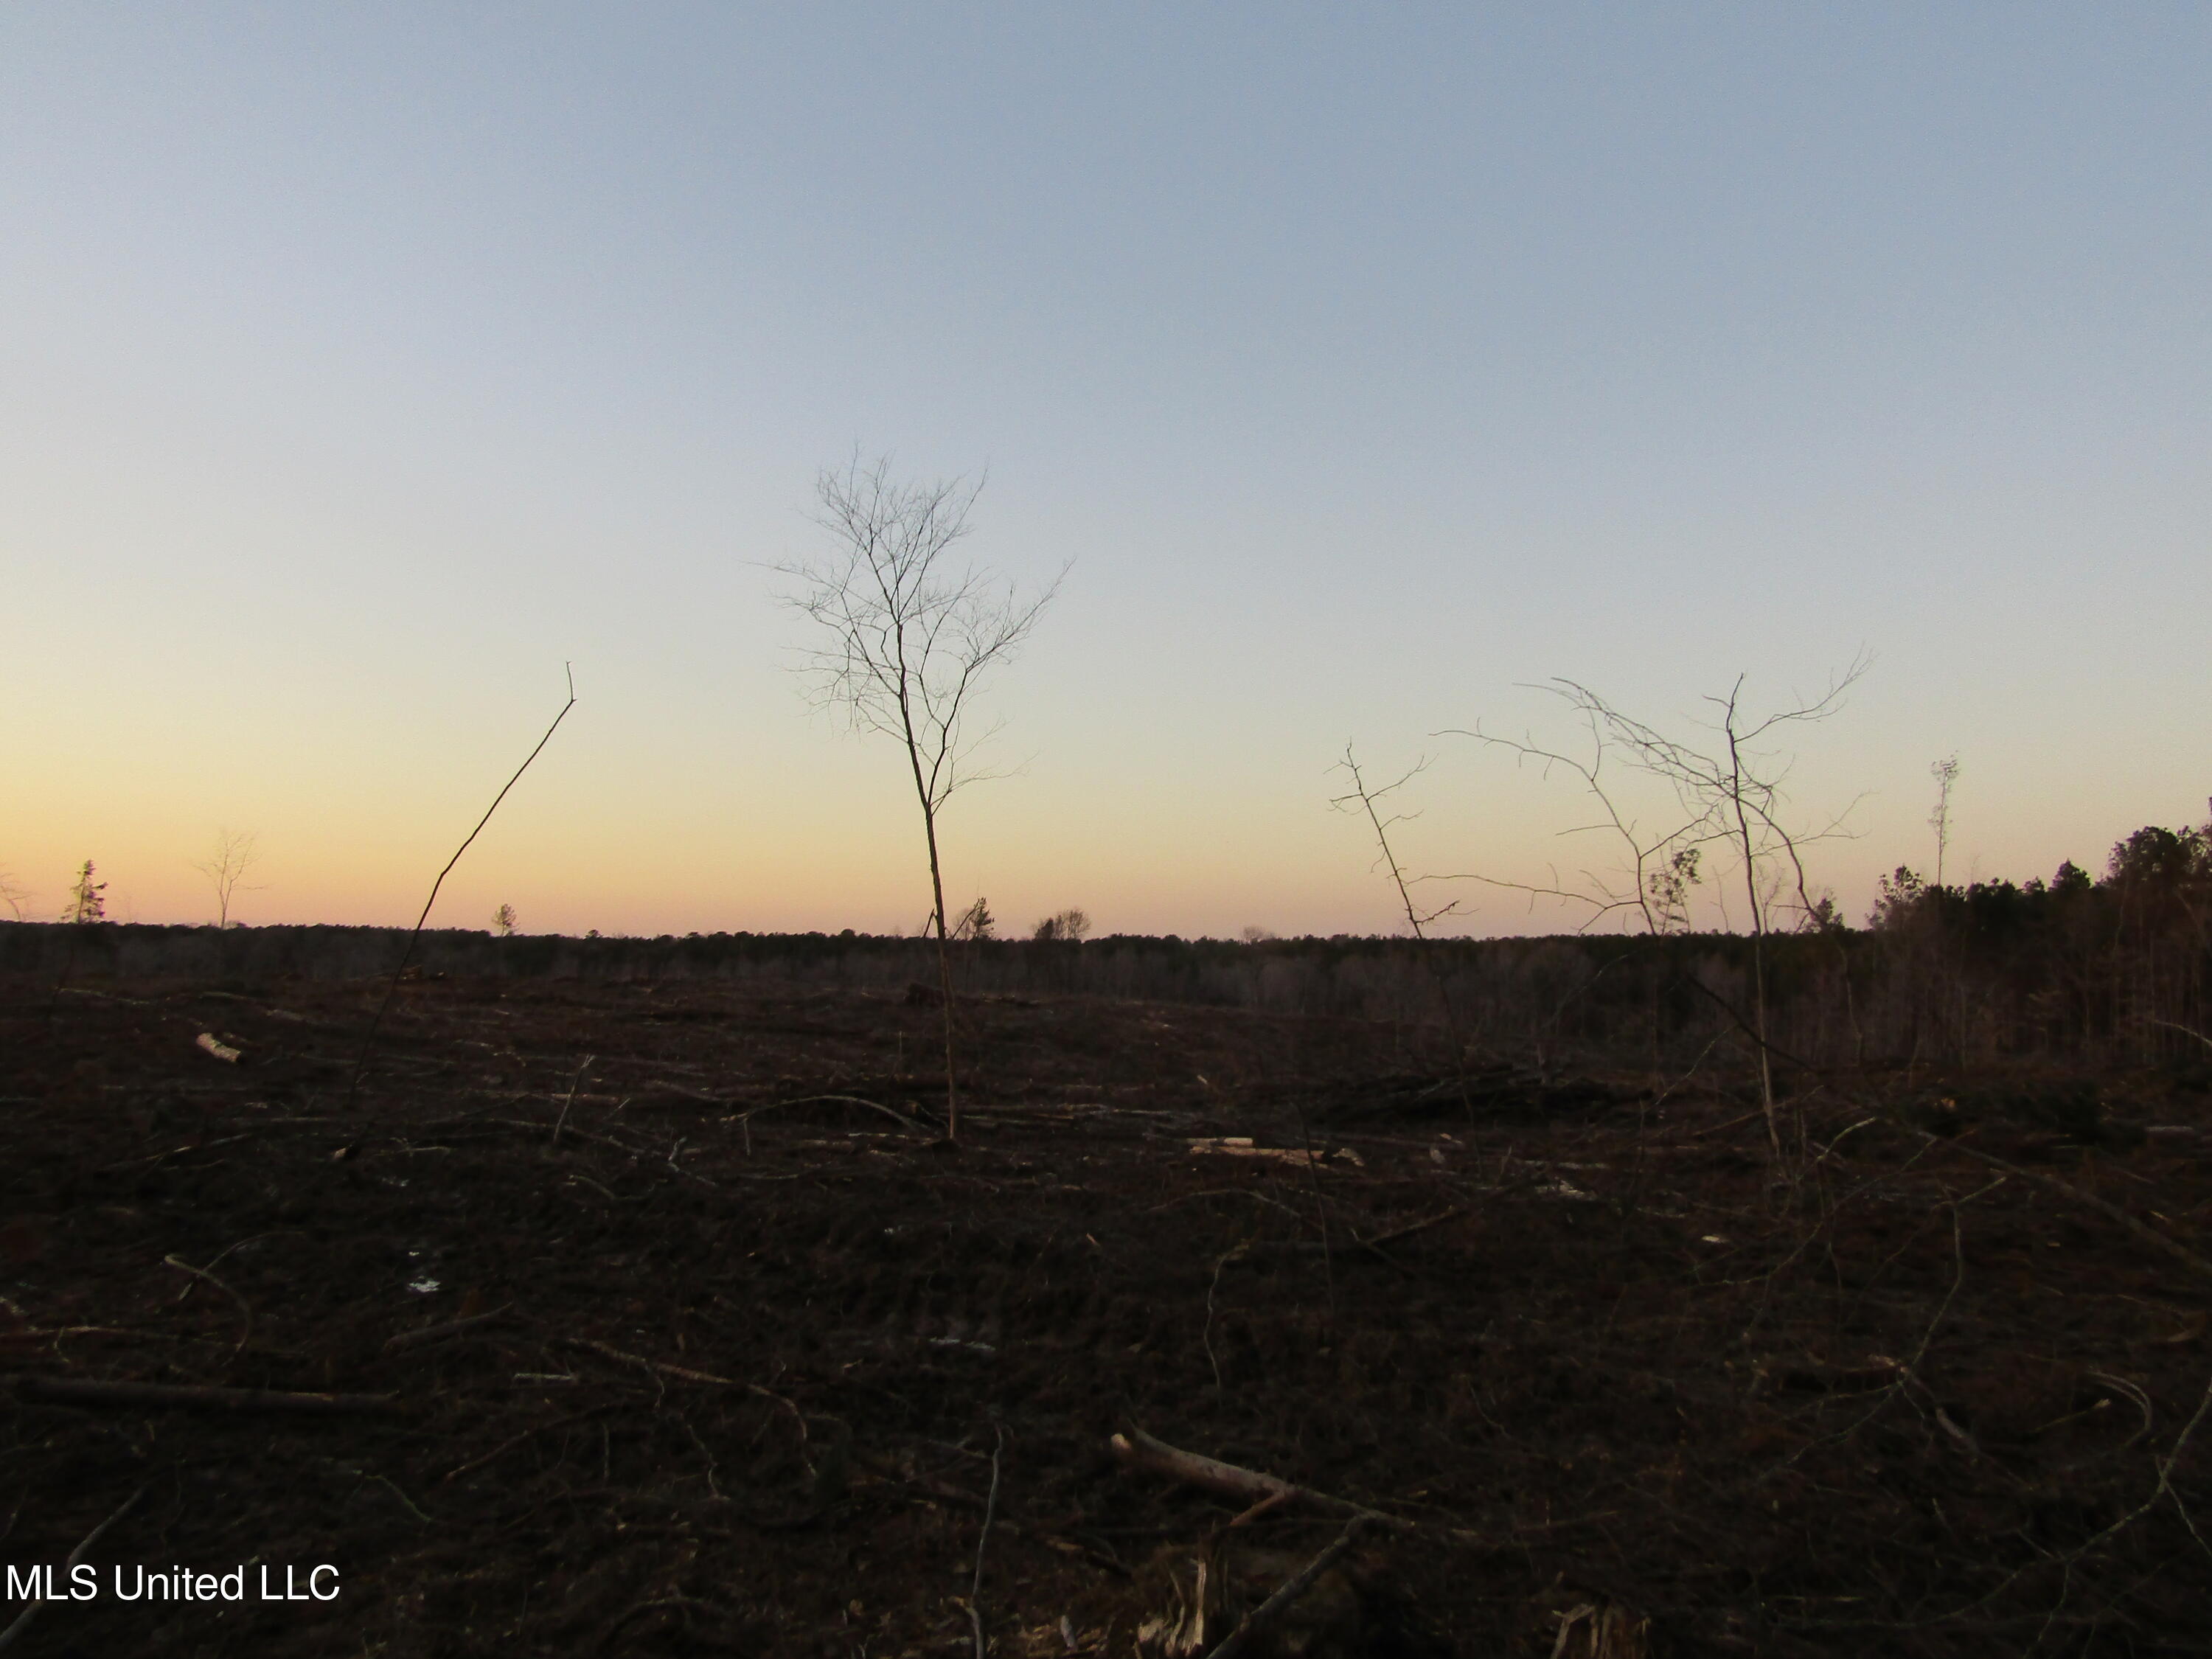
(361, 363)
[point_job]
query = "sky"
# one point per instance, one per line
(1365, 369)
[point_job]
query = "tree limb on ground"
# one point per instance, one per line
(88, 1391)
(1139, 1450)
(1273, 1608)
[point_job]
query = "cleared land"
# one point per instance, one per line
(721, 1364)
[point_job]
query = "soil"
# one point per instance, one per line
(759, 1365)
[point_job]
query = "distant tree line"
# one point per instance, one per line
(2079, 969)
(2118, 963)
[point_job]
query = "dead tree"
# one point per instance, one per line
(1366, 802)
(910, 641)
(1946, 773)
(225, 868)
(1728, 791)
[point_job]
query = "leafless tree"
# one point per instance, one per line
(16, 896)
(906, 640)
(502, 921)
(1366, 802)
(225, 867)
(1071, 925)
(1729, 790)
(1946, 773)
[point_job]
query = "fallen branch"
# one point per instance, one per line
(1137, 1450)
(983, 1538)
(23, 1619)
(899, 1118)
(88, 1391)
(2149, 1236)
(607, 1350)
(1393, 1236)
(450, 1327)
(561, 1121)
(1273, 1608)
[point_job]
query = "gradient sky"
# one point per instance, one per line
(361, 364)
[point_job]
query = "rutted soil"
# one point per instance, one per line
(752, 1352)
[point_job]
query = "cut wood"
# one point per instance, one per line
(208, 1041)
(88, 1391)
(1242, 1146)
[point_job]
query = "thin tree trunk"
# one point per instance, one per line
(1758, 938)
(943, 982)
(944, 944)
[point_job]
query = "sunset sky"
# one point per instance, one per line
(360, 365)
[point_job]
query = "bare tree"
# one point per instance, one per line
(1946, 773)
(1366, 802)
(502, 921)
(910, 640)
(16, 896)
(1071, 925)
(1731, 795)
(225, 867)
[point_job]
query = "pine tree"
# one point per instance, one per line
(85, 902)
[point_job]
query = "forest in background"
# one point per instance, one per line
(2100, 969)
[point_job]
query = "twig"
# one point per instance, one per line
(368, 1040)
(2186, 1030)
(450, 1327)
(623, 1147)
(1264, 1507)
(609, 1351)
(1298, 1585)
(89, 1391)
(990, 1512)
(561, 1123)
(2163, 1489)
(23, 1619)
(1395, 1234)
(682, 1374)
(512, 1442)
(245, 1307)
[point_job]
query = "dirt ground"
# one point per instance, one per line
(754, 1358)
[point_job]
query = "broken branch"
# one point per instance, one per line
(1294, 1587)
